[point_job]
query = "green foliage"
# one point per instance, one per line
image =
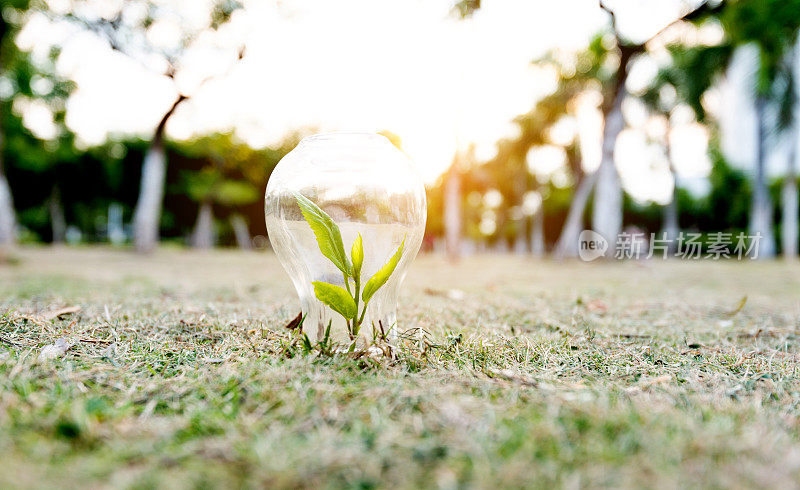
(785, 93)
(224, 171)
(357, 255)
(771, 24)
(692, 71)
(199, 185)
(329, 240)
(465, 8)
(222, 11)
(728, 203)
(235, 193)
(336, 297)
(380, 277)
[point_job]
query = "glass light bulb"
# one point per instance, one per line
(368, 187)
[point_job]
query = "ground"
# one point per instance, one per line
(511, 372)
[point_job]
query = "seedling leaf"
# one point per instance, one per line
(380, 277)
(357, 256)
(329, 238)
(336, 297)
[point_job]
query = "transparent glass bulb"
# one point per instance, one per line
(367, 186)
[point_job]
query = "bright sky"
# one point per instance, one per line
(410, 67)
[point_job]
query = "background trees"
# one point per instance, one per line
(210, 191)
(771, 28)
(8, 55)
(126, 31)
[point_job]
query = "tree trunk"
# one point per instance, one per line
(607, 211)
(761, 206)
(452, 211)
(671, 225)
(58, 224)
(789, 203)
(203, 234)
(537, 233)
(240, 231)
(567, 245)
(7, 219)
(8, 222)
(147, 215)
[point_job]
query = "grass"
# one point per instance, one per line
(521, 373)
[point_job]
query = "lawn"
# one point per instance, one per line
(510, 372)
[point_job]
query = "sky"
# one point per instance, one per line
(440, 83)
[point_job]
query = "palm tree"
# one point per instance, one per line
(453, 212)
(771, 26)
(679, 76)
(607, 210)
(510, 167)
(787, 124)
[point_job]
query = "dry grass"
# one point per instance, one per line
(521, 373)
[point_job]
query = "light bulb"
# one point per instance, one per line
(366, 186)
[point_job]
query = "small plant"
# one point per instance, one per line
(348, 300)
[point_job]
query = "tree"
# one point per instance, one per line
(789, 203)
(771, 26)
(453, 196)
(228, 176)
(510, 168)
(787, 124)
(607, 210)
(661, 98)
(127, 34)
(214, 184)
(592, 76)
(48, 159)
(7, 216)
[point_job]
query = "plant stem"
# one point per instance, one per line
(356, 322)
(363, 313)
(347, 283)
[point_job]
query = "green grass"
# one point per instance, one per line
(515, 373)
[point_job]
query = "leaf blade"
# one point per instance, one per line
(326, 231)
(357, 255)
(336, 297)
(383, 274)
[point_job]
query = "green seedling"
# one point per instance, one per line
(350, 302)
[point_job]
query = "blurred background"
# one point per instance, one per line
(139, 122)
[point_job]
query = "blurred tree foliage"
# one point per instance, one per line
(214, 183)
(225, 178)
(56, 183)
(693, 68)
(95, 178)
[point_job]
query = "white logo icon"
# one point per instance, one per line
(591, 245)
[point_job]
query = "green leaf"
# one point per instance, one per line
(336, 297)
(235, 193)
(357, 255)
(329, 238)
(380, 277)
